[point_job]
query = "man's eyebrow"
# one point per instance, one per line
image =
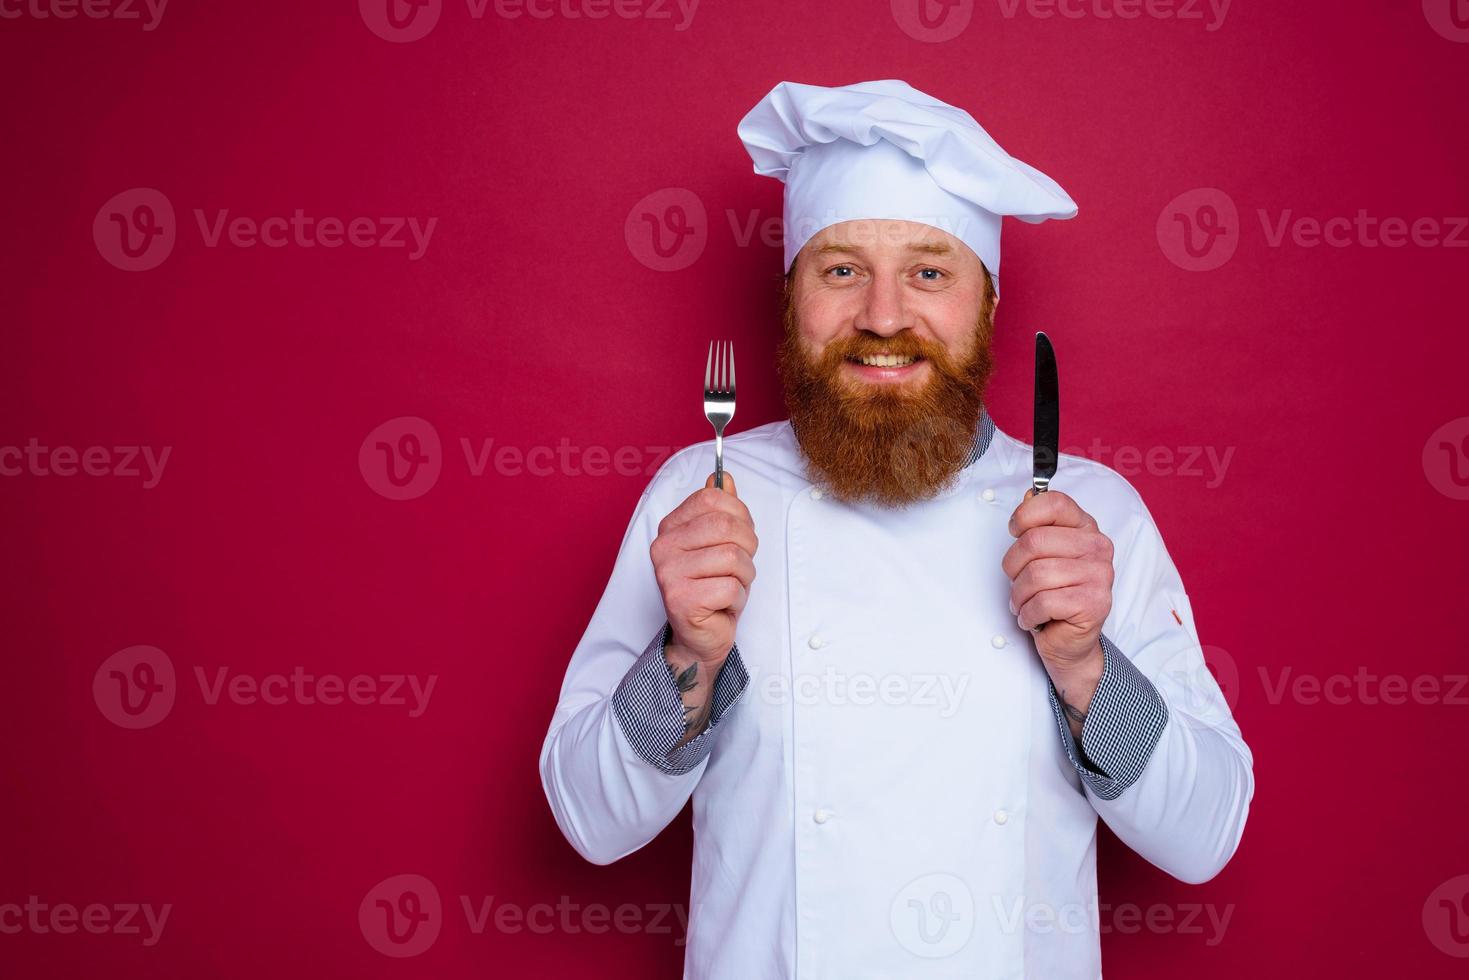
(928, 248)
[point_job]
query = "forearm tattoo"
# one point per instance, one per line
(696, 710)
(1072, 712)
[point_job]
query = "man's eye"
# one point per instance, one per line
(931, 275)
(838, 269)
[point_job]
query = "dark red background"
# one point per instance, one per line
(1326, 547)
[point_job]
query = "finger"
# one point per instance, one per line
(715, 561)
(713, 527)
(1054, 541)
(1059, 605)
(719, 594)
(1051, 507)
(1045, 574)
(702, 502)
(729, 483)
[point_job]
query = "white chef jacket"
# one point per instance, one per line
(887, 788)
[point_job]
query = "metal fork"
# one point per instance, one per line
(719, 398)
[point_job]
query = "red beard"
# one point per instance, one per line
(889, 444)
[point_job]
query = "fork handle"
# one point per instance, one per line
(719, 460)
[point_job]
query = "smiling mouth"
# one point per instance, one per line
(884, 360)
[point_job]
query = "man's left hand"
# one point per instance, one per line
(1060, 569)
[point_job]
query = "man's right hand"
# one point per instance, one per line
(704, 561)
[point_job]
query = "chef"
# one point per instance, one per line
(899, 686)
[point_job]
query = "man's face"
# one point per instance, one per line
(886, 356)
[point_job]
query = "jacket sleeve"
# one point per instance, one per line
(608, 764)
(1182, 776)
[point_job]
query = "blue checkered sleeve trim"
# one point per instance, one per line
(650, 709)
(1123, 724)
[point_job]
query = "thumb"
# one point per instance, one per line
(729, 483)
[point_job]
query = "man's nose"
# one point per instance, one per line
(883, 311)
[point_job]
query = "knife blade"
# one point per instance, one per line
(1047, 444)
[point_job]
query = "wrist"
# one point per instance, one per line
(681, 654)
(680, 657)
(1076, 682)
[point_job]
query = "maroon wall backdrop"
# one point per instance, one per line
(1286, 390)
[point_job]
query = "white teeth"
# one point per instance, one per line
(886, 360)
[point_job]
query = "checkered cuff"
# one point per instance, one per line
(1122, 727)
(650, 709)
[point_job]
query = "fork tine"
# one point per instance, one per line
(709, 367)
(731, 368)
(723, 366)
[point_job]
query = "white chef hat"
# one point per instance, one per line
(884, 149)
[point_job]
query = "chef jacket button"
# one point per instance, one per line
(998, 641)
(815, 493)
(821, 816)
(1001, 817)
(987, 495)
(816, 642)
